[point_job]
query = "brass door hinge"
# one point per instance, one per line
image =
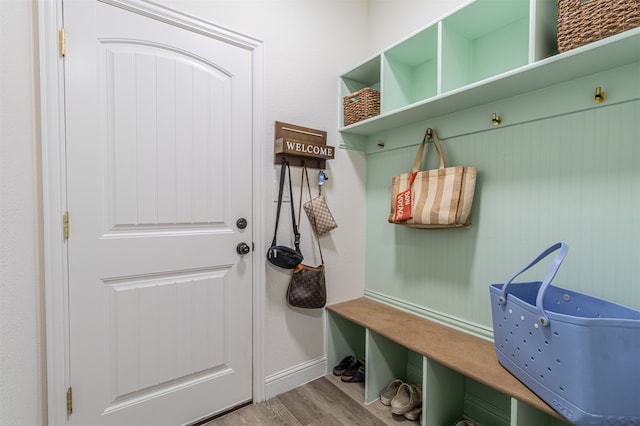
(62, 42)
(65, 225)
(69, 401)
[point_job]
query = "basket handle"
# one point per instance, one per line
(562, 253)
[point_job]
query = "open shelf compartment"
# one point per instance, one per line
(366, 75)
(484, 39)
(410, 71)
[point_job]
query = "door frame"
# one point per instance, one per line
(54, 189)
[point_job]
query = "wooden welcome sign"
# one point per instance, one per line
(302, 145)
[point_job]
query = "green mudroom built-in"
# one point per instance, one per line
(562, 163)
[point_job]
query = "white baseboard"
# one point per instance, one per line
(295, 376)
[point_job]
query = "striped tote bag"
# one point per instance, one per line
(440, 198)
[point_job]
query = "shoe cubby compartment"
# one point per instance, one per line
(450, 396)
(410, 71)
(387, 361)
(484, 39)
(344, 338)
(459, 373)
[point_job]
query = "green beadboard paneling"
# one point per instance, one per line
(572, 178)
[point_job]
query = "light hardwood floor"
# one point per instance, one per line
(326, 401)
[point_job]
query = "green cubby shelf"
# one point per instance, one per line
(483, 52)
(476, 42)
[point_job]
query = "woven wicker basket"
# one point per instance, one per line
(360, 105)
(584, 21)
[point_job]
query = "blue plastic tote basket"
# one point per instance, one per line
(578, 353)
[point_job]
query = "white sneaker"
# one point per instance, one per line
(390, 392)
(407, 398)
(414, 414)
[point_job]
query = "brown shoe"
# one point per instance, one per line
(355, 374)
(346, 364)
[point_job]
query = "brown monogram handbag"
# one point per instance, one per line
(307, 288)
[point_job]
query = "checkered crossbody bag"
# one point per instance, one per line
(319, 214)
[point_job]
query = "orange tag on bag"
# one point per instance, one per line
(404, 202)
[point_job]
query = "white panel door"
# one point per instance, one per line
(159, 170)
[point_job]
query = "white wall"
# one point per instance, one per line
(307, 44)
(392, 20)
(22, 359)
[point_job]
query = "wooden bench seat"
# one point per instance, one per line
(466, 354)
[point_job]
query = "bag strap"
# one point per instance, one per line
(428, 134)
(313, 213)
(302, 170)
(282, 177)
(284, 168)
(563, 249)
(296, 234)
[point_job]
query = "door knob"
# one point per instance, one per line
(243, 248)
